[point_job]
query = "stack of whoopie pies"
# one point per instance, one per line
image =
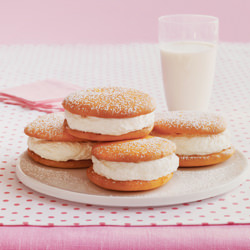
(111, 127)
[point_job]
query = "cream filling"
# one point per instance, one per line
(128, 171)
(109, 126)
(200, 145)
(60, 151)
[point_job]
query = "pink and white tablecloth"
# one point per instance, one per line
(135, 65)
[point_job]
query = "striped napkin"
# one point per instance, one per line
(45, 96)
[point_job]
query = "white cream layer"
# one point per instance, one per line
(128, 171)
(60, 151)
(108, 126)
(200, 145)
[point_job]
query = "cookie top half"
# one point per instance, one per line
(109, 102)
(49, 127)
(189, 123)
(146, 149)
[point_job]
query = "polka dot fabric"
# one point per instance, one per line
(138, 66)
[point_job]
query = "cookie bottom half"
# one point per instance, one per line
(135, 185)
(59, 164)
(100, 137)
(205, 160)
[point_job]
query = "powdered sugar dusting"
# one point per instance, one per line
(113, 102)
(146, 149)
(189, 122)
(49, 127)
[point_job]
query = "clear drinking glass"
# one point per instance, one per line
(188, 45)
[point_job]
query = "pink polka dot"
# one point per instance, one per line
(204, 223)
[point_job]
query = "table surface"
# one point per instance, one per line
(33, 218)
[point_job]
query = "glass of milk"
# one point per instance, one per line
(188, 45)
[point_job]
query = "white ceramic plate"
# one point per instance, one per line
(187, 185)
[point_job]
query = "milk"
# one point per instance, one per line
(188, 72)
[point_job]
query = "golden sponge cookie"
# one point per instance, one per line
(189, 123)
(109, 102)
(133, 165)
(49, 127)
(100, 137)
(201, 137)
(60, 164)
(136, 185)
(205, 160)
(146, 149)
